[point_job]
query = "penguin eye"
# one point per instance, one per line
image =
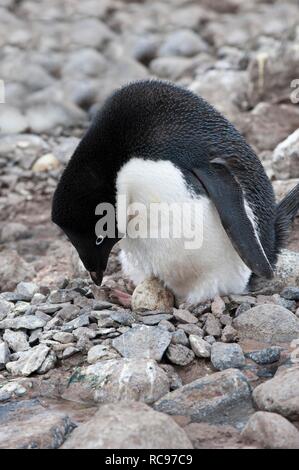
(100, 240)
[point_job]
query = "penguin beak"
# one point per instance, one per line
(97, 277)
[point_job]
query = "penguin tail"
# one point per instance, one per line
(286, 211)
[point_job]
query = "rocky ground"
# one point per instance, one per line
(112, 367)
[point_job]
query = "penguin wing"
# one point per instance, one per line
(226, 193)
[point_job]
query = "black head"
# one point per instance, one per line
(81, 188)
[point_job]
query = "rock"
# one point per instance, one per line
(286, 158)
(185, 43)
(151, 295)
(220, 398)
(283, 187)
(191, 329)
(206, 436)
(179, 354)
(14, 231)
(212, 326)
(44, 118)
(48, 364)
(13, 269)
(280, 394)
(5, 308)
(16, 340)
(11, 390)
(265, 356)
(101, 352)
(270, 431)
(180, 337)
(29, 361)
(123, 317)
(145, 49)
(155, 319)
(128, 426)
(63, 337)
(268, 323)
(218, 306)
(229, 334)
(4, 355)
(290, 293)
(47, 162)
(39, 428)
(89, 32)
(226, 356)
(79, 322)
(26, 290)
(118, 379)
(26, 322)
(183, 316)
(148, 342)
(200, 347)
(12, 121)
(286, 274)
(171, 68)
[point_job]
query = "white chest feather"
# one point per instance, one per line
(195, 268)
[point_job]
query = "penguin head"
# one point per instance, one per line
(77, 195)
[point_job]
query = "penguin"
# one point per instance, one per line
(153, 141)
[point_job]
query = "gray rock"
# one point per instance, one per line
(128, 426)
(29, 361)
(12, 121)
(16, 340)
(290, 293)
(44, 118)
(268, 323)
(151, 320)
(81, 321)
(270, 431)
(179, 354)
(5, 308)
(229, 334)
(184, 43)
(26, 322)
(61, 296)
(63, 337)
(220, 398)
(85, 62)
(191, 329)
(286, 158)
(118, 379)
(171, 68)
(13, 269)
(280, 394)
(11, 390)
(26, 290)
(14, 231)
(200, 347)
(123, 317)
(226, 356)
(183, 316)
(101, 352)
(152, 295)
(4, 355)
(39, 428)
(180, 337)
(212, 326)
(265, 356)
(148, 342)
(48, 364)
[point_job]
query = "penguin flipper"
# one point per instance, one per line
(226, 193)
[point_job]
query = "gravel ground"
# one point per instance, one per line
(82, 366)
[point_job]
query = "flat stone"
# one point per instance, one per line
(29, 361)
(123, 317)
(220, 398)
(16, 340)
(26, 322)
(268, 323)
(26, 290)
(128, 426)
(184, 316)
(101, 352)
(5, 308)
(200, 347)
(179, 354)
(212, 326)
(152, 295)
(151, 320)
(63, 337)
(39, 427)
(48, 364)
(270, 431)
(148, 342)
(61, 296)
(290, 293)
(118, 379)
(191, 329)
(226, 356)
(280, 394)
(4, 355)
(79, 322)
(265, 356)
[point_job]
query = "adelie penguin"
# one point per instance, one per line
(151, 142)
